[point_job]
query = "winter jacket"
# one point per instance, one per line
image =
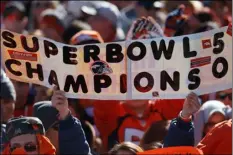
(217, 141)
(180, 133)
(203, 115)
(3, 138)
(72, 139)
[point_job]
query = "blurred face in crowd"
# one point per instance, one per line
(15, 22)
(52, 135)
(213, 119)
(27, 141)
(7, 110)
(49, 31)
(225, 97)
(22, 90)
(141, 11)
(50, 28)
(103, 26)
(41, 93)
(136, 104)
(39, 7)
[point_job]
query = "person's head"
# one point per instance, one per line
(103, 19)
(86, 37)
(49, 117)
(190, 6)
(14, 17)
(202, 20)
(225, 96)
(126, 148)
(42, 93)
(7, 97)
(136, 104)
(52, 25)
(40, 6)
(22, 90)
(75, 27)
(154, 135)
(148, 8)
(213, 112)
(26, 134)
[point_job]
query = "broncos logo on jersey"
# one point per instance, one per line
(100, 68)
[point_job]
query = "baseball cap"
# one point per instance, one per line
(86, 36)
(12, 7)
(56, 18)
(46, 113)
(23, 125)
(103, 9)
(7, 88)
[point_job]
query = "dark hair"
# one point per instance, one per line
(206, 27)
(75, 27)
(155, 133)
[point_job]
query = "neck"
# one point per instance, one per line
(139, 110)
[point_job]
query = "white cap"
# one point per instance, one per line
(104, 9)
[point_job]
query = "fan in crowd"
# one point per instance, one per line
(40, 120)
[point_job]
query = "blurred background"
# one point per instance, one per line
(60, 20)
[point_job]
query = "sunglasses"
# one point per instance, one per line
(222, 96)
(28, 147)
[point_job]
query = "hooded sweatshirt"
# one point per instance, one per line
(203, 115)
(45, 147)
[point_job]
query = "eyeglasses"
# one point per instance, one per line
(28, 147)
(222, 96)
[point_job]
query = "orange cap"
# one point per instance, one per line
(86, 35)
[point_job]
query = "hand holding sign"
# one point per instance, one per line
(144, 28)
(191, 105)
(60, 102)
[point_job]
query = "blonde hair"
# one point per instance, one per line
(129, 146)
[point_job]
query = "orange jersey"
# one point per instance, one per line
(218, 140)
(117, 123)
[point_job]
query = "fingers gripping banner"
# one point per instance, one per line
(167, 68)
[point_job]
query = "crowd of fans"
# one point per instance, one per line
(38, 120)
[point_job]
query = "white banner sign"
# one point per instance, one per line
(167, 68)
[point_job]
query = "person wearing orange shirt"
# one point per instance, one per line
(181, 132)
(118, 121)
(218, 140)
